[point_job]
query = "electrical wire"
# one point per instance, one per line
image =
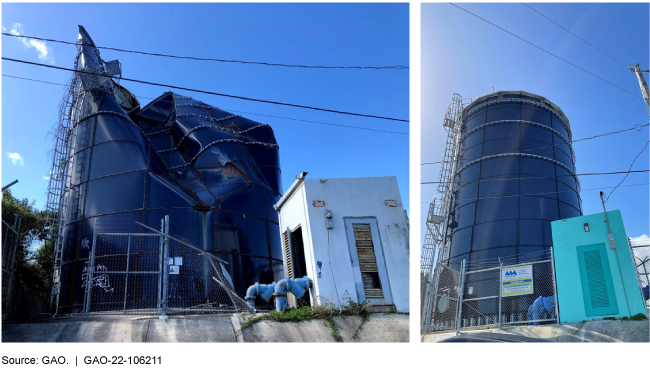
(628, 172)
(210, 93)
(244, 112)
(329, 261)
(394, 67)
(575, 35)
(532, 44)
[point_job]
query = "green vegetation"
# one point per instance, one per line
(636, 317)
(33, 262)
(335, 331)
(364, 318)
(308, 313)
(609, 318)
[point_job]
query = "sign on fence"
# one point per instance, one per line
(517, 280)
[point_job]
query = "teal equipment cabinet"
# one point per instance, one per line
(594, 280)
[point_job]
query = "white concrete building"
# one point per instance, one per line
(350, 237)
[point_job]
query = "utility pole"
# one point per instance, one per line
(644, 86)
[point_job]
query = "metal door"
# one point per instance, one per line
(596, 278)
(368, 263)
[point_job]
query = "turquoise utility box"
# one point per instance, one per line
(594, 280)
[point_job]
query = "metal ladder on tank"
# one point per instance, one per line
(439, 209)
(62, 168)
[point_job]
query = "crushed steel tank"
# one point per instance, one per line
(216, 174)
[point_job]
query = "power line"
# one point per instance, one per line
(532, 44)
(394, 67)
(210, 93)
(245, 112)
(575, 35)
(537, 177)
(636, 127)
(628, 172)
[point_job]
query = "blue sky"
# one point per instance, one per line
(463, 54)
(312, 34)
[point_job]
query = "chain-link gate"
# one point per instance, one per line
(511, 291)
(496, 293)
(155, 274)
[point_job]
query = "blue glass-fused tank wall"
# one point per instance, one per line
(514, 136)
(515, 175)
(215, 174)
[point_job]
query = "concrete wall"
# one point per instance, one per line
(569, 234)
(349, 197)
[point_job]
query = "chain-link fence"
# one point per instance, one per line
(155, 274)
(496, 293)
(640, 250)
(518, 290)
(10, 237)
(442, 303)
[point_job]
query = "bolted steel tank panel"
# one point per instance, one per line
(215, 174)
(516, 174)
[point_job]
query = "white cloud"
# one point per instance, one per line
(41, 47)
(46, 178)
(16, 159)
(643, 239)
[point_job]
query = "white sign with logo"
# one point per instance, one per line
(517, 280)
(174, 264)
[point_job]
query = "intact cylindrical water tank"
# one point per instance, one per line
(515, 175)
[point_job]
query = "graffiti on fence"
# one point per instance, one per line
(100, 280)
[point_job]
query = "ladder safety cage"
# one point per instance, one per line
(434, 247)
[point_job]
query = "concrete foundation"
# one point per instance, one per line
(590, 331)
(226, 328)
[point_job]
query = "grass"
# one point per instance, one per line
(336, 334)
(364, 318)
(308, 313)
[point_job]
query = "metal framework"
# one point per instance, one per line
(439, 208)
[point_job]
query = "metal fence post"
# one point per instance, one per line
(459, 316)
(126, 281)
(16, 230)
(500, 289)
(430, 300)
(557, 310)
(161, 265)
(165, 285)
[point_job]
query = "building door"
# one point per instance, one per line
(367, 257)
